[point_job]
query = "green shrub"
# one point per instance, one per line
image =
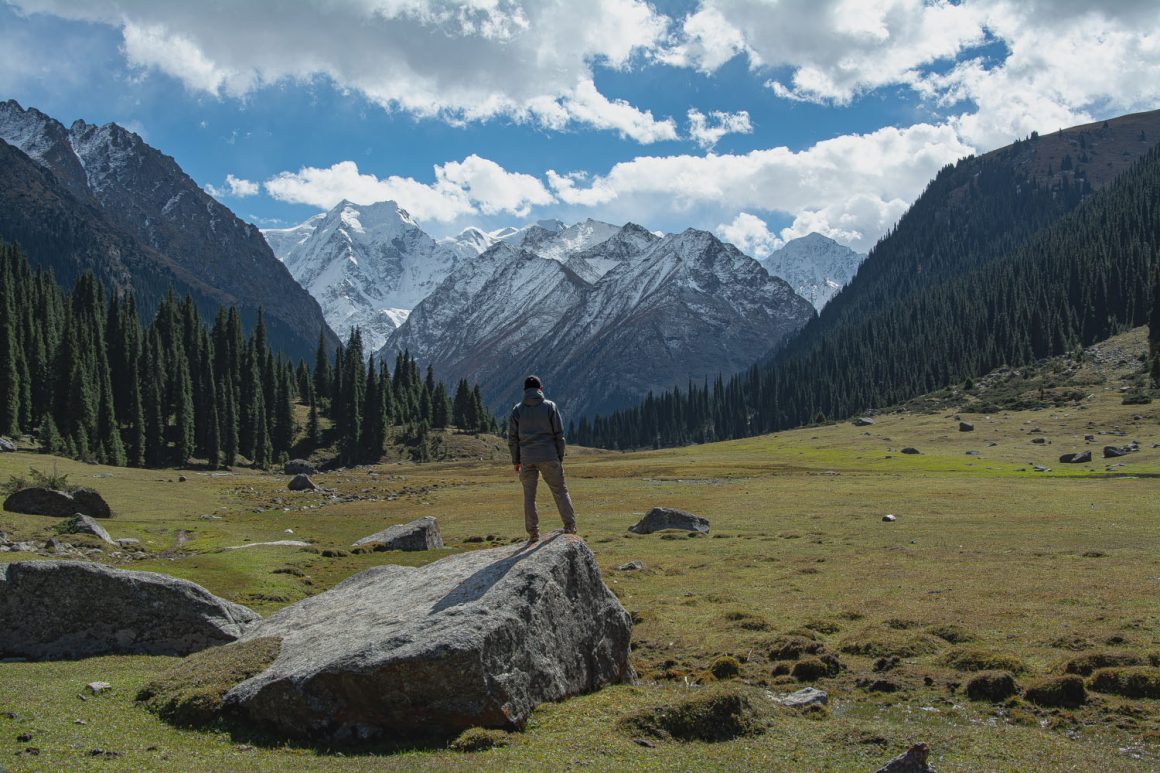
(191, 692)
(725, 667)
(992, 686)
(715, 713)
(1057, 692)
(1131, 682)
(983, 660)
(1086, 665)
(478, 739)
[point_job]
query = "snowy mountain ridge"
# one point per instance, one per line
(816, 266)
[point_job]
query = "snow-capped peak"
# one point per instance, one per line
(815, 266)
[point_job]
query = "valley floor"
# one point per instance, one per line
(987, 557)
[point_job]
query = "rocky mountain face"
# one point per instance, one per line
(602, 314)
(369, 265)
(815, 266)
(142, 195)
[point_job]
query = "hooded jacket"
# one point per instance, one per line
(535, 430)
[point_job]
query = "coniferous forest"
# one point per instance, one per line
(989, 267)
(82, 371)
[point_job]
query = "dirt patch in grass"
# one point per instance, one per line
(711, 714)
(992, 686)
(1057, 692)
(191, 693)
(878, 642)
(975, 659)
(1130, 682)
(1086, 665)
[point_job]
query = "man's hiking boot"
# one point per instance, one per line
(533, 536)
(569, 529)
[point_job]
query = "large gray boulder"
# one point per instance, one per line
(420, 534)
(74, 609)
(474, 640)
(660, 518)
(1079, 458)
(39, 500)
(913, 760)
(84, 524)
(299, 467)
(7, 446)
(302, 483)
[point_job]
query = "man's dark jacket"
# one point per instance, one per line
(535, 430)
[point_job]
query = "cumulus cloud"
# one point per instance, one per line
(235, 187)
(707, 130)
(750, 234)
(851, 188)
(469, 187)
(461, 60)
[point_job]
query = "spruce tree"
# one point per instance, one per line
(321, 368)
(1154, 316)
(184, 438)
(284, 428)
(440, 407)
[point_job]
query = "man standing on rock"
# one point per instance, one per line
(536, 440)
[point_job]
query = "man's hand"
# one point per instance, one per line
(517, 469)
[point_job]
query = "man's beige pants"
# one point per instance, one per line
(553, 473)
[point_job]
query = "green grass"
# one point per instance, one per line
(986, 556)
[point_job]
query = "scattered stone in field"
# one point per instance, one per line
(715, 713)
(877, 685)
(864, 421)
(660, 518)
(420, 534)
(127, 542)
(889, 518)
(39, 500)
(1090, 438)
(1057, 692)
(646, 743)
(991, 686)
(25, 737)
(1130, 682)
(631, 566)
(84, 524)
(966, 426)
(96, 688)
(1039, 441)
(182, 479)
(1041, 468)
(474, 640)
(281, 543)
(334, 553)
(910, 451)
(914, 760)
(7, 446)
(1076, 458)
(299, 467)
(478, 739)
(72, 609)
(807, 696)
(302, 483)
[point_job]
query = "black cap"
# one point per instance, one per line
(533, 382)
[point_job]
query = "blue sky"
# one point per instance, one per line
(760, 120)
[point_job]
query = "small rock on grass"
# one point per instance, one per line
(807, 696)
(631, 566)
(96, 688)
(889, 518)
(914, 760)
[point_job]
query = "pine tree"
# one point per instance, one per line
(284, 428)
(313, 432)
(440, 407)
(184, 439)
(321, 368)
(50, 440)
(353, 384)
(1154, 316)
(459, 407)
(154, 408)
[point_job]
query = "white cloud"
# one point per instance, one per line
(469, 187)
(707, 130)
(460, 60)
(750, 234)
(851, 188)
(235, 187)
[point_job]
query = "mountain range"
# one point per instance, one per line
(815, 266)
(100, 198)
(603, 315)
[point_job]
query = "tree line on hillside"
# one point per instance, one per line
(82, 371)
(1085, 276)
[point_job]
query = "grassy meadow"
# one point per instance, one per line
(989, 565)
